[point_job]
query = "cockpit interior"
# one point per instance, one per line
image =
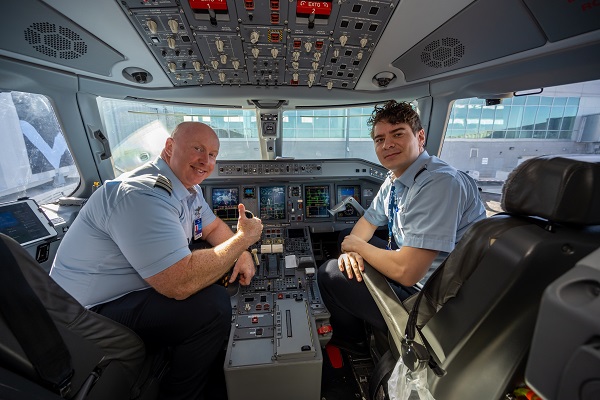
(90, 90)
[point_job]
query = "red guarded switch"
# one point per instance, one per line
(313, 7)
(198, 5)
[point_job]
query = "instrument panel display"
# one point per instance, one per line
(225, 203)
(272, 203)
(343, 191)
(317, 200)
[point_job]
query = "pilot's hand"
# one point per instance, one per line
(352, 243)
(250, 227)
(353, 264)
(244, 269)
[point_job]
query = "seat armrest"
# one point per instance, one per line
(392, 309)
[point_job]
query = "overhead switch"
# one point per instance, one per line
(210, 7)
(318, 8)
(171, 43)
(204, 5)
(152, 26)
(174, 25)
(343, 40)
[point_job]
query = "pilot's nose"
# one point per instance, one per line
(203, 157)
(388, 143)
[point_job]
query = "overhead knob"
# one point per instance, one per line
(343, 40)
(171, 42)
(152, 27)
(174, 25)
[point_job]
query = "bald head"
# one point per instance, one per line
(191, 127)
(191, 152)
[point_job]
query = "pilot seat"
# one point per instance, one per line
(51, 347)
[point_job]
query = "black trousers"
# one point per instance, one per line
(349, 302)
(196, 330)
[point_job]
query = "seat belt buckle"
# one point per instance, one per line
(64, 387)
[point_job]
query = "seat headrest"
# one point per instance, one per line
(563, 189)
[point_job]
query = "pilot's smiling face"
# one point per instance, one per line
(192, 153)
(397, 146)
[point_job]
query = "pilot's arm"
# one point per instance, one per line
(204, 267)
(219, 232)
(406, 266)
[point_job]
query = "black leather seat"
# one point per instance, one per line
(96, 345)
(479, 310)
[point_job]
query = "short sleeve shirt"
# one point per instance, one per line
(434, 205)
(130, 229)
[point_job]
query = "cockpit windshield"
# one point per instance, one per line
(137, 131)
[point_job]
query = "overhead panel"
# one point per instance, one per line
(468, 39)
(261, 42)
(37, 30)
(564, 19)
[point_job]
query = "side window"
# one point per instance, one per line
(35, 161)
(488, 142)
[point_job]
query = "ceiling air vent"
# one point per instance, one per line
(56, 42)
(442, 53)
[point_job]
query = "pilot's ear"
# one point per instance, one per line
(169, 146)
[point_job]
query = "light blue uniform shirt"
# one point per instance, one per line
(435, 204)
(128, 230)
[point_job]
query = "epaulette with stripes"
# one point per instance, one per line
(164, 183)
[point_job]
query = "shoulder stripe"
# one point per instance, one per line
(164, 183)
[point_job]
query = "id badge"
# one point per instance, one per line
(197, 228)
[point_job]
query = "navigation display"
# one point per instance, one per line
(272, 202)
(317, 201)
(225, 202)
(342, 193)
(24, 222)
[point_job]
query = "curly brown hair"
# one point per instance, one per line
(395, 113)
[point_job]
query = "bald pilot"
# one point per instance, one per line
(127, 256)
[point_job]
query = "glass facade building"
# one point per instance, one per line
(525, 117)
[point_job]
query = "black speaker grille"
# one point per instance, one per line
(60, 43)
(442, 53)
